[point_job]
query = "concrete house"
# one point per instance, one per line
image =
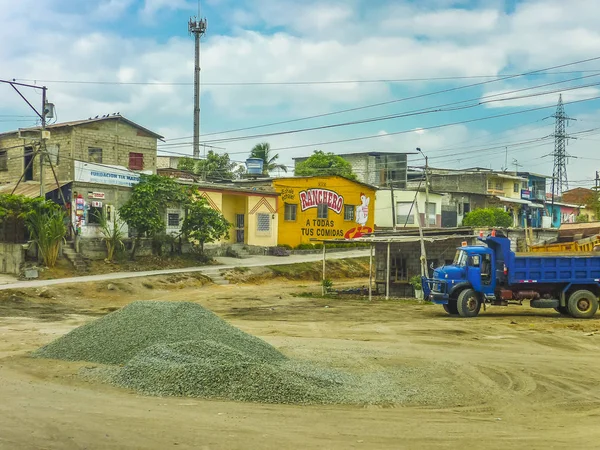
(476, 188)
(96, 161)
(375, 168)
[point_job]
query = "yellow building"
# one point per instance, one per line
(322, 207)
(252, 212)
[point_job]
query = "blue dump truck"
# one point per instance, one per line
(492, 274)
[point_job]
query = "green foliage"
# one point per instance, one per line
(263, 151)
(145, 210)
(327, 284)
(415, 282)
(187, 164)
(213, 167)
(582, 218)
(320, 163)
(47, 229)
(488, 217)
(593, 204)
(112, 234)
(305, 247)
(20, 207)
(203, 225)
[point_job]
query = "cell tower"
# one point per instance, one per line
(559, 174)
(197, 28)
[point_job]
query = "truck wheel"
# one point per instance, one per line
(468, 303)
(583, 304)
(451, 308)
(562, 310)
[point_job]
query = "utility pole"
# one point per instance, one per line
(426, 187)
(517, 165)
(43, 144)
(197, 28)
(47, 108)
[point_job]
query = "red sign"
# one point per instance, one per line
(312, 198)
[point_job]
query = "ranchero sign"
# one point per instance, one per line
(311, 198)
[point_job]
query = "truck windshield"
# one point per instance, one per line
(460, 259)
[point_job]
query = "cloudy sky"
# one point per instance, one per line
(379, 75)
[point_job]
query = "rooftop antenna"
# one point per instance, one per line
(197, 27)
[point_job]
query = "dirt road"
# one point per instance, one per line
(511, 378)
(222, 263)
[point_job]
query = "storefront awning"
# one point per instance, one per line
(520, 202)
(30, 189)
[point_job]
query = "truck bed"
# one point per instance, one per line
(555, 267)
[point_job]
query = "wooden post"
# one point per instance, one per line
(371, 271)
(423, 253)
(387, 273)
(323, 281)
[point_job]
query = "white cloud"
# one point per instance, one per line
(313, 41)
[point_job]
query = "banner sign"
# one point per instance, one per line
(101, 174)
(312, 198)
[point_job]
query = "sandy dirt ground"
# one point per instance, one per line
(512, 378)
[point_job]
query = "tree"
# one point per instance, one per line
(213, 167)
(203, 225)
(320, 163)
(47, 229)
(16, 209)
(488, 217)
(592, 203)
(145, 210)
(263, 151)
(112, 234)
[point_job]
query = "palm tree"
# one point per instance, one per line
(262, 151)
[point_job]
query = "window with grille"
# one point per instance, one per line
(431, 213)
(349, 212)
(290, 212)
(263, 222)
(516, 188)
(53, 150)
(136, 161)
(173, 219)
(322, 211)
(95, 154)
(4, 160)
(405, 213)
(95, 215)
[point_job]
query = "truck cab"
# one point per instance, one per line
(473, 267)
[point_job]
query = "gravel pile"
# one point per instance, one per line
(182, 349)
(212, 370)
(119, 336)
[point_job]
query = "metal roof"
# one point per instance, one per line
(75, 123)
(30, 189)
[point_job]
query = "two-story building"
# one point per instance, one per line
(93, 162)
(375, 168)
(476, 188)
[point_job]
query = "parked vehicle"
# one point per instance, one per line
(493, 274)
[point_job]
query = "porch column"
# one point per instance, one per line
(387, 273)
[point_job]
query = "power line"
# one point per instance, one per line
(374, 105)
(339, 141)
(406, 114)
(299, 82)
